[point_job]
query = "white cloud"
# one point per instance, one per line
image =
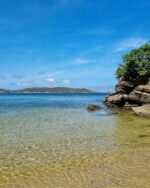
(51, 80)
(130, 43)
(22, 84)
(66, 82)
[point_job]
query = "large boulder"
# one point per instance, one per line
(143, 88)
(143, 111)
(92, 107)
(143, 92)
(145, 98)
(117, 99)
(134, 97)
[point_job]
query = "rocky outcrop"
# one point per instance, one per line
(92, 107)
(124, 87)
(129, 96)
(143, 111)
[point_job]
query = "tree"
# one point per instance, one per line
(136, 65)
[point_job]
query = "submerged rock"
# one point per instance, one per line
(143, 111)
(92, 107)
(144, 135)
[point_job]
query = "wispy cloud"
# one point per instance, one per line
(144, 3)
(80, 61)
(24, 84)
(55, 73)
(103, 31)
(65, 82)
(51, 81)
(130, 43)
(2, 77)
(18, 76)
(48, 82)
(41, 73)
(49, 74)
(59, 4)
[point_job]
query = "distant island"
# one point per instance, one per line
(48, 90)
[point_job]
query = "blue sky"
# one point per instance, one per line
(73, 43)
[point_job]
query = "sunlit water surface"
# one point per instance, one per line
(52, 141)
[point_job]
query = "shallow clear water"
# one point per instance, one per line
(51, 140)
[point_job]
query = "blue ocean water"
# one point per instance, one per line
(50, 100)
(11, 103)
(51, 140)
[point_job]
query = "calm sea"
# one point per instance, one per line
(51, 140)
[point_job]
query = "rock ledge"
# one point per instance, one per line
(143, 111)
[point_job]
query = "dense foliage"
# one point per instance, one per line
(136, 65)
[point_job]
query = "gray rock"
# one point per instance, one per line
(121, 90)
(117, 99)
(143, 111)
(124, 87)
(92, 107)
(134, 98)
(143, 88)
(128, 85)
(145, 99)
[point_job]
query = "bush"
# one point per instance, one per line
(136, 65)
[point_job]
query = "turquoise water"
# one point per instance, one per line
(51, 140)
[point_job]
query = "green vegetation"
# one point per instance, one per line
(136, 65)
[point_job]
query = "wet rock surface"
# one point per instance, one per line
(92, 107)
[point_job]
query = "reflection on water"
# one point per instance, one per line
(52, 141)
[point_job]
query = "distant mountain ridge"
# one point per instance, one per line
(48, 90)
